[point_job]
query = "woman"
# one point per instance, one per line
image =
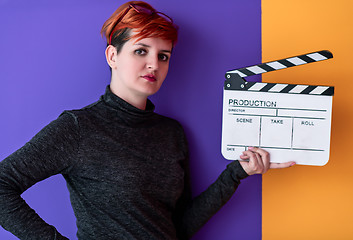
(126, 167)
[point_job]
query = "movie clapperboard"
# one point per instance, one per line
(291, 122)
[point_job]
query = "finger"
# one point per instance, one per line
(282, 165)
(251, 158)
(267, 164)
(264, 156)
(261, 165)
(250, 165)
(244, 157)
(255, 162)
(249, 155)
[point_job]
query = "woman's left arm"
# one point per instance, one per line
(200, 209)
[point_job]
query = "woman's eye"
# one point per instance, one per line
(163, 57)
(140, 52)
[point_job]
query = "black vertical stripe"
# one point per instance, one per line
(266, 67)
(288, 88)
(246, 72)
(326, 54)
(308, 89)
(329, 91)
(286, 63)
(306, 59)
(249, 84)
(267, 87)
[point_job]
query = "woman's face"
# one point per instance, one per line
(141, 67)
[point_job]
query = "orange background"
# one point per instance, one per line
(306, 202)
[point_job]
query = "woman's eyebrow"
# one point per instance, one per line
(148, 46)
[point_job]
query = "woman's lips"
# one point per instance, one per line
(150, 78)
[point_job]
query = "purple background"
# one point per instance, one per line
(52, 59)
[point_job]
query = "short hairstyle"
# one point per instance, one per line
(146, 25)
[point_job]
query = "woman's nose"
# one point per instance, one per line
(153, 63)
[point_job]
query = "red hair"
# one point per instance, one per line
(146, 25)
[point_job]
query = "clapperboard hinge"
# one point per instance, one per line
(235, 78)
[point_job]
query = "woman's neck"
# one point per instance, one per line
(135, 100)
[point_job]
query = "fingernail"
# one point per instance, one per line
(251, 148)
(293, 164)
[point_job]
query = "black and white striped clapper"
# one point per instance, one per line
(292, 122)
(235, 81)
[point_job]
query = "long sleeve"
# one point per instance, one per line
(205, 205)
(50, 152)
(191, 214)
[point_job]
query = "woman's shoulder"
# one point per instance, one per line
(170, 120)
(81, 113)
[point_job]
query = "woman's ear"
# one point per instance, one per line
(110, 55)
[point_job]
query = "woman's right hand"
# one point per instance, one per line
(257, 161)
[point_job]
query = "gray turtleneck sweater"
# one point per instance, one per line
(126, 170)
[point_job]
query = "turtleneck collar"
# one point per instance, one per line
(128, 111)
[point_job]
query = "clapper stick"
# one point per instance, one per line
(292, 122)
(281, 64)
(235, 78)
